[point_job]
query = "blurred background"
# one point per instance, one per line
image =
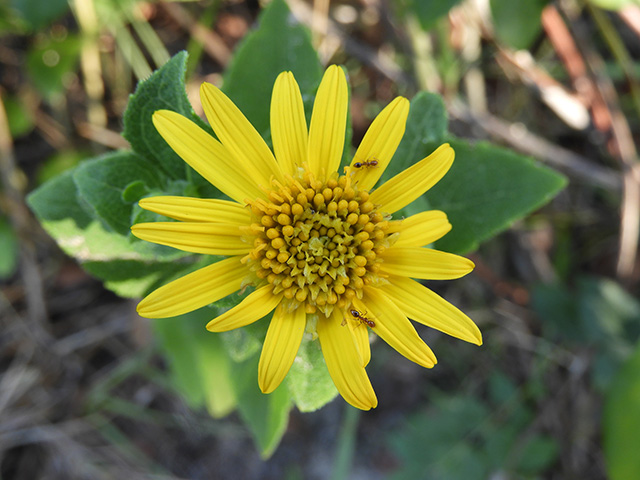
(553, 392)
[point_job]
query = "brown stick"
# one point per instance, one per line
(212, 43)
(20, 219)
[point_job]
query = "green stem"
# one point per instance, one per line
(195, 47)
(346, 444)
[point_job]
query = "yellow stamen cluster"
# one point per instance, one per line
(317, 242)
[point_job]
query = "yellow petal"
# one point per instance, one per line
(328, 123)
(410, 184)
(421, 229)
(238, 135)
(361, 338)
(195, 290)
(206, 155)
(344, 362)
(258, 304)
(380, 143)
(394, 328)
(288, 124)
(424, 263)
(424, 306)
(207, 238)
(280, 346)
(189, 209)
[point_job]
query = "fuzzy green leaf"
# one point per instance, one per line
(102, 183)
(164, 89)
(308, 380)
(67, 218)
(61, 214)
(134, 278)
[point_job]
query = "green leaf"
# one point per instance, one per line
(59, 162)
(517, 23)
(134, 278)
(176, 335)
(8, 249)
(429, 12)
(134, 191)
(605, 304)
(129, 268)
(243, 343)
(63, 216)
(538, 454)
(486, 190)
(426, 125)
(622, 422)
(217, 378)
(556, 307)
(277, 45)
(309, 381)
(200, 367)
(39, 14)
(58, 210)
(102, 182)
(19, 115)
(266, 415)
(164, 89)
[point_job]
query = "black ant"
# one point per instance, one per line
(369, 163)
(361, 316)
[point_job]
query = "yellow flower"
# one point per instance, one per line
(320, 248)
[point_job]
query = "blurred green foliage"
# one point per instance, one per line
(466, 438)
(517, 23)
(622, 421)
(38, 14)
(614, 4)
(51, 61)
(8, 249)
(596, 313)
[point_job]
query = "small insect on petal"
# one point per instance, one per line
(372, 162)
(362, 318)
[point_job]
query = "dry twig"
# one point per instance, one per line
(519, 137)
(212, 43)
(21, 221)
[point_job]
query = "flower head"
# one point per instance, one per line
(321, 248)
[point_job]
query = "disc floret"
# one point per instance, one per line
(317, 242)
